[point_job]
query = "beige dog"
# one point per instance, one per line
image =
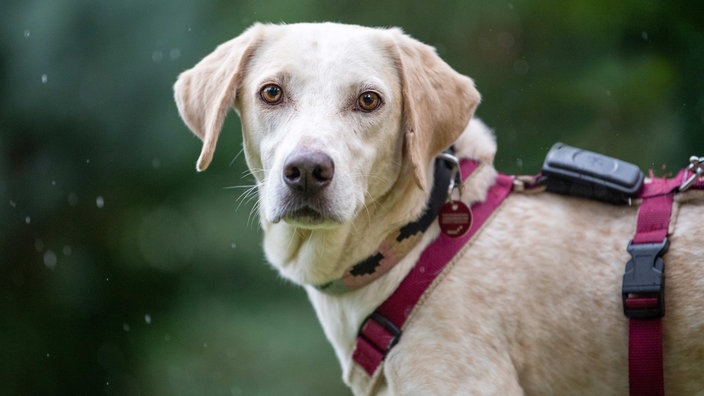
(341, 126)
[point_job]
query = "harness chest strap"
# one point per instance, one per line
(382, 329)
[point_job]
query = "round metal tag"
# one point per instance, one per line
(455, 219)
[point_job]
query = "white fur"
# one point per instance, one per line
(530, 306)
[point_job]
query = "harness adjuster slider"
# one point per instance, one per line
(380, 332)
(643, 290)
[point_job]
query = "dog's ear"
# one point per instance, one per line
(438, 103)
(205, 93)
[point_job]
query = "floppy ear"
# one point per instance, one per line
(438, 103)
(205, 93)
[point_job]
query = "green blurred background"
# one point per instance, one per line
(124, 272)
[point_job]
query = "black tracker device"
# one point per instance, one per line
(572, 171)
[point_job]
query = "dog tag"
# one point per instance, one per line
(455, 219)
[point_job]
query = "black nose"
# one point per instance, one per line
(308, 172)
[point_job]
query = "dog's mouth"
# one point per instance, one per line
(307, 216)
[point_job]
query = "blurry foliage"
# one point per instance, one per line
(122, 271)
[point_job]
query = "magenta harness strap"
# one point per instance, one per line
(642, 292)
(643, 286)
(383, 327)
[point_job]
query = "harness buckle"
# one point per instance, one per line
(380, 332)
(644, 281)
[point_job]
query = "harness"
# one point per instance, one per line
(567, 170)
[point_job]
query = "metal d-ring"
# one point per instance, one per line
(696, 167)
(456, 177)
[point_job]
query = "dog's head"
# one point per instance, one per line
(333, 116)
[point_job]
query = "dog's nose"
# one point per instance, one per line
(308, 172)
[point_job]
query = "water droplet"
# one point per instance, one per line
(175, 53)
(67, 250)
(27, 33)
(45, 78)
(50, 259)
(48, 355)
(157, 56)
(27, 219)
(506, 40)
(148, 319)
(53, 183)
(205, 345)
(72, 199)
(126, 327)
(644, 35)
(39, 245)
(234, 245)
(521, 66)
(99, 202)
(156, 163)
(13, 204)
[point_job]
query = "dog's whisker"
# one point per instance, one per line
(250, 193)
(239, 153)
(247, 197)
(254, 173)
(365, 207)
(294, 235)
(248, 190)
(253, 213)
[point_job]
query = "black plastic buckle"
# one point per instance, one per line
(645, 278)
(388, 326)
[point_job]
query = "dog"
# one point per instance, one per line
(341, 128)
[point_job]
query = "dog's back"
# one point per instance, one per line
(534, 304)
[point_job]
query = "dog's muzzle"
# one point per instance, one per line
(308, 173)
(307, 176)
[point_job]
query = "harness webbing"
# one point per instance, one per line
(642, 292)
(382, 329)
(643, 286)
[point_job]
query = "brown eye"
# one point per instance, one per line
(271, 94)
(369, 101)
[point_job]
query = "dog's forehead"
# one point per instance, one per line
(324, 47)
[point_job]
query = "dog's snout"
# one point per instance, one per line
(308, 172)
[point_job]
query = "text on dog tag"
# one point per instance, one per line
(455, 219)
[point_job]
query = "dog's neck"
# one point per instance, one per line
(314, 257)
(319, 256)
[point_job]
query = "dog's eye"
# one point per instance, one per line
(369, 101)
(271, 94)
